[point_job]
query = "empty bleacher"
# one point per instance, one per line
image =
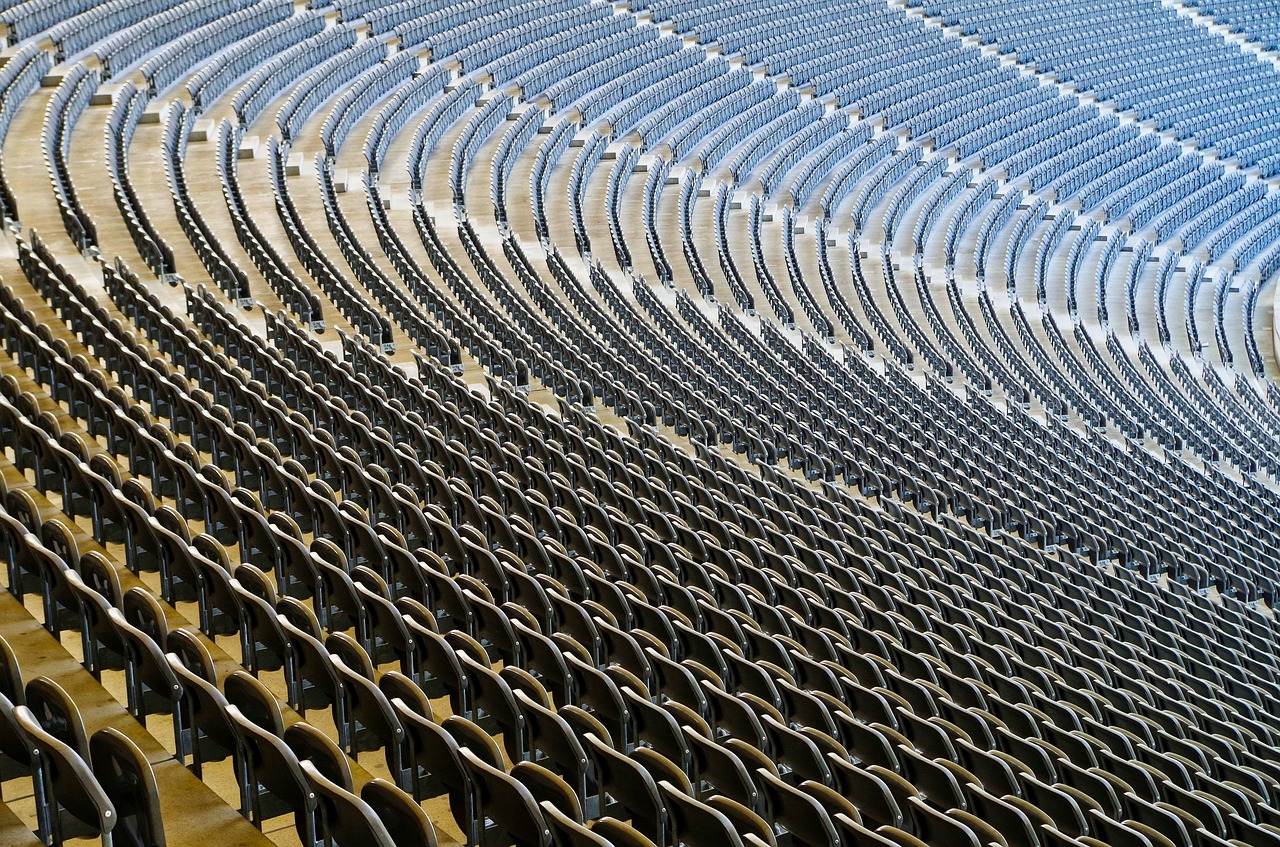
(651, 424)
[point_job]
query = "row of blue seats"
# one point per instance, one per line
(994, 221)
(845, 180)
(445, 109)
(1137, 266)
(721, 87)
(175, 60)
(1011, 95)
(1157, 202)
(449, 31)
(810, 140)
(824, 160)
(1090, 174)
(324, 79)
(1024, 226)
(1254, 19)
(1008, 121)
(762, 140)
(871, 49)
(1143, 57)
(360, 96)
(615, 43)
(1094, 145)
(712, 118)
(724, 253)
(1255, 224)
(701, 17)
(388, 18)
(626, 116)
(251, 99)
(351, 302)
(126, 46)
(275, 269)
(563, 27)
(75, 34)
(538, 55)
(24, 20)
(944, 193)
(217, 263)
(400, 108)
(68, 103)
(514, 141)
(19, 77)
(973, 198)
(1115, 243)
(639, 79)
(481, 124)
(215, 77)
(879, 181)
(1080, 245)
(654, 183)
(1211, 213)
(764, 276)
(723, 139)
(127, 107)
(619, 177)
(1036, 118)
(549, 153)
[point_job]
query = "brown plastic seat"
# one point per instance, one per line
(272, 781)
(128, 781)
(436, 767)
(403, 818)
(69, 800)
(626, 783)
(799, 813)
(745, 821)
(937, 827)
(695, 824)
(345, 819)
(547, 786)
(876, 800)
(312, 745)
(254, 700)
(508, 804)
(723, 770)
(552, 737)
(56, 712)
(566, 832)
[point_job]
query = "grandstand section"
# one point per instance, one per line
(653, 423)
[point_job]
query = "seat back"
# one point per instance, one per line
(508, 803)
(369, 715)
(126, 777)
(270, 770)
(254, 700)
(209, 736)
(403, 818)
(722, 769)
(629, 784)
(10, 674)
(63, 781)
(345, 819)
(312, 745)
(566, 832)
(695, 824)
(802, 816)
(57, 714)
(13, 746)
(546, 785)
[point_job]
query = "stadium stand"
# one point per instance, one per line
(651, 424)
